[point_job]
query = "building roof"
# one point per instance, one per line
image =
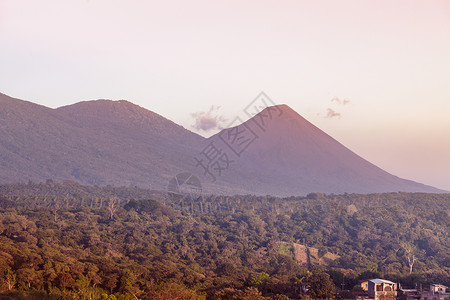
(441, 285)
(377, 280)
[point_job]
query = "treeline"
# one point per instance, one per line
(70, 194)
(139, 243)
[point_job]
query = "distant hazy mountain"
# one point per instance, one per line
(291, 156)
(97, 142)
(118, 143)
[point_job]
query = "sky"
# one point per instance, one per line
(375, 75)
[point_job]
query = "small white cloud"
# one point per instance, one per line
(339, 101)
(336, 99)
(332, 114)
(209, 120)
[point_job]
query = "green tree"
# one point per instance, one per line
(259, 279)
(321, 286)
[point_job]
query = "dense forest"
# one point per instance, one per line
(68, 241)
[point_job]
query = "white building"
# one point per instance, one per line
(381, 289)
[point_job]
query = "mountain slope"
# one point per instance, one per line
(118, 143)
(98, 142)
(291, 156)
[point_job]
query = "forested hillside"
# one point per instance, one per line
(68, 240)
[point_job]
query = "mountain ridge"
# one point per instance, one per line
(102, 142)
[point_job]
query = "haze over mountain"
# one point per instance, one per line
(116, 142)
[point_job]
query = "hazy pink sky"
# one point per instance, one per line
(390, 59)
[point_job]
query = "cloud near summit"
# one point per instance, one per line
(339, 101)
(208, 120)
(332, 114)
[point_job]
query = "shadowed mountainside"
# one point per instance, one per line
(96, 142)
